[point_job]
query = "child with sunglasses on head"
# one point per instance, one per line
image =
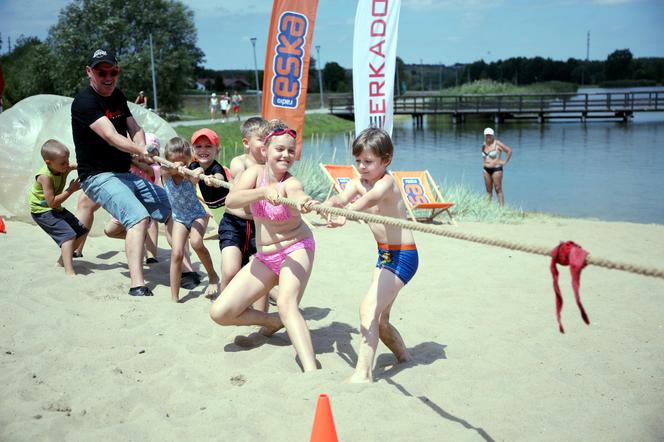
(376, 192)
(189, 217)
(285, 246)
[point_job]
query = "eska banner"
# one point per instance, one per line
(287, 63)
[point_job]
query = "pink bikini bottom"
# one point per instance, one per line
(274, 260)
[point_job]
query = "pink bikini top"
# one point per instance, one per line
(263, 208)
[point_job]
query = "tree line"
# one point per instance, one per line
(56, 65)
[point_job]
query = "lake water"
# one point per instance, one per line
(600, 169)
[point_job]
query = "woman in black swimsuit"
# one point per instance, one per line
(493, 164)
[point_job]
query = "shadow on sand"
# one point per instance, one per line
(425, 353)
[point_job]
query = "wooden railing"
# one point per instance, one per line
(645, 101)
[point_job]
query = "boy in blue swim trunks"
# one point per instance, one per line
(47, 194)
(376, 192)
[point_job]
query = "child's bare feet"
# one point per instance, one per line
(59, 263)
(275, 326)
(212, 290)
(359, 378)
(175, 298)
(392, 340)
(252, 340)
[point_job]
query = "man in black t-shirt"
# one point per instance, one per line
(106, 135)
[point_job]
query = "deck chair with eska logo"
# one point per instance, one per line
(339, 175)
(415, 187)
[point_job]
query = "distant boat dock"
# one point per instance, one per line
(502, 107)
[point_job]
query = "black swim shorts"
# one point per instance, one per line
(238, 232)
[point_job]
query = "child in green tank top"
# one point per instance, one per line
(47, 194)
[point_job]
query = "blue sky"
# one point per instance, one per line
(431, 31)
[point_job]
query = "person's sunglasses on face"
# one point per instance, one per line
(103, 73)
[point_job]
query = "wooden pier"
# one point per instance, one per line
(502, 107)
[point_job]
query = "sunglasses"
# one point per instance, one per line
(102, 73)
(278, 132)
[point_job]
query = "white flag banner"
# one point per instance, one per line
(374, 61)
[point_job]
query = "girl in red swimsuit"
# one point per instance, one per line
(285, 247)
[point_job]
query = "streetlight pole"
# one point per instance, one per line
(258, 90)
(320, 76)
(154, 77)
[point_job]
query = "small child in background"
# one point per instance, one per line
(237, 231)
(377, 193)
(189, 217)
(152, 173)
(46, 197)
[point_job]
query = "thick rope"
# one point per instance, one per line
(436, 230)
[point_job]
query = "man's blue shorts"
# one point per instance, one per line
(127, 197)
(402, 260)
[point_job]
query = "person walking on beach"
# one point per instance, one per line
(285, 247)
(106, 135)
(493, 164)
(376, 192)
(224, 105)
(236, 100)
(214, 105)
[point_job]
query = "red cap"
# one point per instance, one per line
(205, 132)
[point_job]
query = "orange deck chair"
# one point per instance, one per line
(339, 176)
(416, 192)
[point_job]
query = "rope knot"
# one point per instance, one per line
(573, 255)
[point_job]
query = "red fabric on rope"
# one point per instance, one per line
(571, 254)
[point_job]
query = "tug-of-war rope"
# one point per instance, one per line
(566, 253)
(436, 230)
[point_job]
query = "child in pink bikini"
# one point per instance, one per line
(284, 242)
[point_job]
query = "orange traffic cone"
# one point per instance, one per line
(323, 430)
(3, 229)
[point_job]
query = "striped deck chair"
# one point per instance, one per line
(339, 176)
(415, 187)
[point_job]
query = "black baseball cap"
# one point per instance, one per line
(102, 56)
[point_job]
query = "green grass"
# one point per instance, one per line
(480, 87)
(231, 139)
(469, 205)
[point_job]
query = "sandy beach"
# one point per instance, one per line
(82, 360)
